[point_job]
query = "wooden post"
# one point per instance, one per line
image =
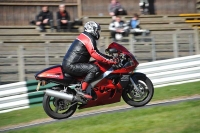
(175, 45)
(191, 44)
(107, 42)
(153, 49)
(131, 44)
(21, 70)
(196, 36)
(79, 9)
(46, 56)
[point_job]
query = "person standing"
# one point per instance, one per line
(63, 19)
(44, 18)
(144, 6)
(152, 7)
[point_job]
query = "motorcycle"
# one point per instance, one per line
(112, 83)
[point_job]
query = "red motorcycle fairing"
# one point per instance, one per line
(104, 67)
(118, 47)
(54, 72)
(106, 93)
(122, 49)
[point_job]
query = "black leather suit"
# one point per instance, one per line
(76, 60)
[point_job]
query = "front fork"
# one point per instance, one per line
(135, 83)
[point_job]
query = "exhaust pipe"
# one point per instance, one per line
(60, 95)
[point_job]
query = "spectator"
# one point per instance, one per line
(134, 22)
(135, 27)
(152, 7)
(63, 19)
(44, 18)
(144, 5)
(117, 29)
(115, 8)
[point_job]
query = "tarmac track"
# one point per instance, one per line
(163, 103)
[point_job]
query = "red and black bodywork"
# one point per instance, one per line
(107, 87)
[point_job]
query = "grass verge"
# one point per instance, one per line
(37, 112)
(179, 118)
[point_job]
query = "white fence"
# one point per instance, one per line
(162, 73)
(172, 71)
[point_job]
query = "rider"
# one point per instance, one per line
(76, 60)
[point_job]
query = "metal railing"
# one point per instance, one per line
(191, 37)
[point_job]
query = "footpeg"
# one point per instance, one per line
(80, 99)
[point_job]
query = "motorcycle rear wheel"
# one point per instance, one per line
(130, 96)
(56, 113)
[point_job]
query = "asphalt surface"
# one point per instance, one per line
(165, 103)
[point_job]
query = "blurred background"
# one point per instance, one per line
(171, 29)
(36, 34)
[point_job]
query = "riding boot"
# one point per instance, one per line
(82, 90)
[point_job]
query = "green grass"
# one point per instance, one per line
(37, 112)
(180, 118)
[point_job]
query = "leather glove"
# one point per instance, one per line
(117, 65)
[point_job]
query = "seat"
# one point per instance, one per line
(67, 75)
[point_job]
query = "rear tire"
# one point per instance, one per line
(144, 82)
(50, 112)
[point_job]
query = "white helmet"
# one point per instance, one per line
(93, 28)
(118, 36)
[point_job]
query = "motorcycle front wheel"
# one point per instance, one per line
(146, 91)
(58, 108)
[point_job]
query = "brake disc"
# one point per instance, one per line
(135, 94)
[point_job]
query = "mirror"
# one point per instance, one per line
(113, 50)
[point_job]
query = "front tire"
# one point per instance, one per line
(56, 109)
(147, 91)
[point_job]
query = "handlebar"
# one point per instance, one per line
(120, 59)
